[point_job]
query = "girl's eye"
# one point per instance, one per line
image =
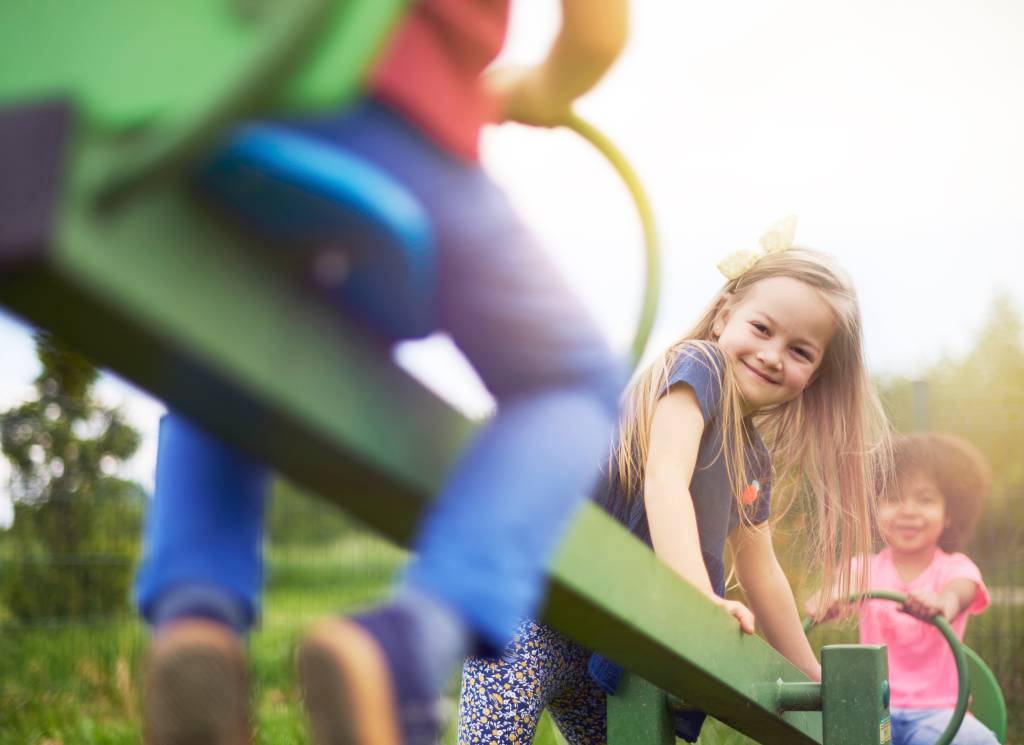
(761, 328)
(803, 353)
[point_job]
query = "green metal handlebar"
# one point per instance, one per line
(963, 677)
(652, 276)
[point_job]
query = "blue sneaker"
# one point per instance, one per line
(364, 682)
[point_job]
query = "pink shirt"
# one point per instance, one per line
(922, 673)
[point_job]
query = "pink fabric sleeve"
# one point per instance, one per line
(960, 566)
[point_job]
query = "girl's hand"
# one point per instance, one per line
(926, 605)
(521, 96)
(831, 612)
(738, 611)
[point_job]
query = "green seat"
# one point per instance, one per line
(151, 85)
(987, 702)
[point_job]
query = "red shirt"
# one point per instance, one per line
(431, 67)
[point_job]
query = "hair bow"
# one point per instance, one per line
(778, 238)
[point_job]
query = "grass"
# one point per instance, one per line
(79, 684)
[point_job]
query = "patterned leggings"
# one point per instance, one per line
(502, 699)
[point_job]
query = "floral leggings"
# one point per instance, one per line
(502, 699)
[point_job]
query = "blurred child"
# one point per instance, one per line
(926, 514)
(484, 546)
(778, 353)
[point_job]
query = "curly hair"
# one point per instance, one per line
(958, 469)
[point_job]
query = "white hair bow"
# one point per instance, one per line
(778, 238)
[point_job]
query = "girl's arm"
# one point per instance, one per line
(954, 598)
(592, 35)
(672, 456)
(771, 597)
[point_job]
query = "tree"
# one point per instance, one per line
(76, 525)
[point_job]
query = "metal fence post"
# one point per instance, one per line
(919, 394)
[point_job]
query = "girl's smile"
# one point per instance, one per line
(758, 375)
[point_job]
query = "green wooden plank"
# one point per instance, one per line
(668, 632)
(171, 298)
(162, 292)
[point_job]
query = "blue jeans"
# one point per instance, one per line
(923, 727)
(484, 546)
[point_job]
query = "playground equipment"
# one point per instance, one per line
(106, 115)
(978, 688)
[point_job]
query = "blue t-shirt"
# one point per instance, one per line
(713, 500)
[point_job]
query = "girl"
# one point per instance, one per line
(778, 354)
(928, 510)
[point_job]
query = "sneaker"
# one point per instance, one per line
(363, 685)
(196, 692)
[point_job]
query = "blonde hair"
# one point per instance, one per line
(833, 438)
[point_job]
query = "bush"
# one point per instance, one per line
(41, 580)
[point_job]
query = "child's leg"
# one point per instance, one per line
(581, 710)
(973, 732)
(923, 727)
(204, 531)
(484, 547)
(502, 698)
(199, 586)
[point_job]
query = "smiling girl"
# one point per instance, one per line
(778, 354)
(925, 515)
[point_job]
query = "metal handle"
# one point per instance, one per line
(962, 674)
(652, 247)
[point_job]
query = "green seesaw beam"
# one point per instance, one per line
(162, 292)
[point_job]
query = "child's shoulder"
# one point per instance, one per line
(701, 366)
(954, 561)
(697, 360)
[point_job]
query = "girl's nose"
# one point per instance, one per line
(769, 358)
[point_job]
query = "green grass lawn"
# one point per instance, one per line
(79, 685)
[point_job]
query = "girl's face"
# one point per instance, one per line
(777, 336)
(913, 517)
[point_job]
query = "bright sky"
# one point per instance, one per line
(892, 130)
